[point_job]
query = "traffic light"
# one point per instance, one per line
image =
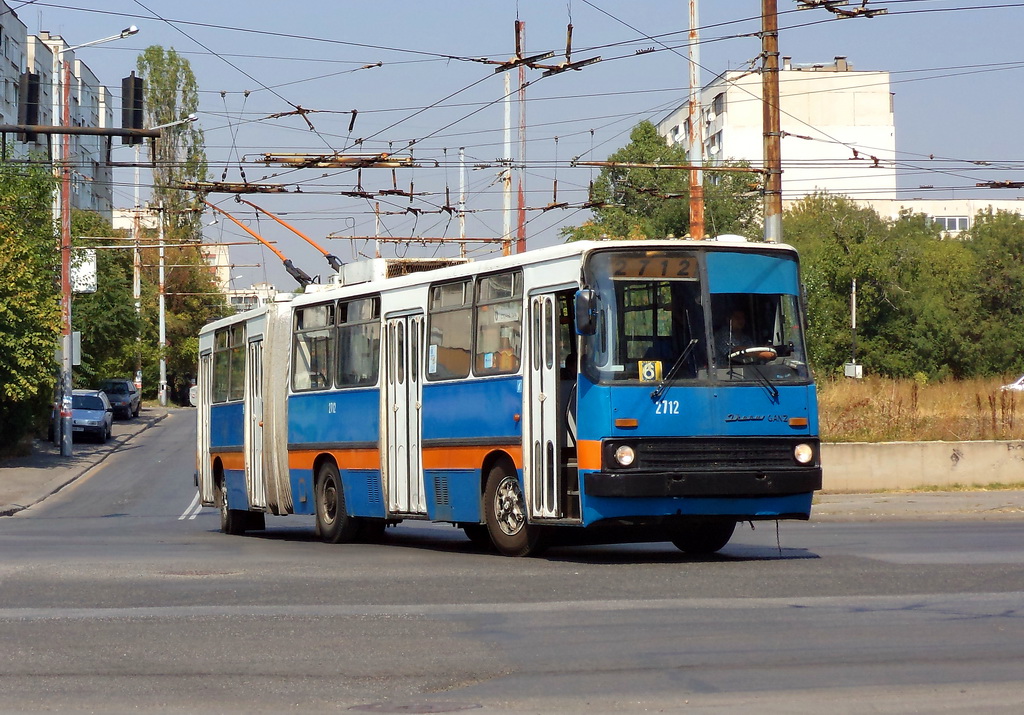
(131, 106)
(28, 103)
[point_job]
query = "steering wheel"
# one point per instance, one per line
(753, 354)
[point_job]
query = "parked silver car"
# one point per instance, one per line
(91, 414)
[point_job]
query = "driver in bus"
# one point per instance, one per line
(732, 335)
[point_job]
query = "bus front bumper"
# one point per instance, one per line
(701, 484)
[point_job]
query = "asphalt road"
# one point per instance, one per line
(116, 596)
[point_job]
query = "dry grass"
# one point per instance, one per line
(882, 410)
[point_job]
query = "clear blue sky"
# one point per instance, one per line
(956, 73)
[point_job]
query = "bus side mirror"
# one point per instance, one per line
(586, 312)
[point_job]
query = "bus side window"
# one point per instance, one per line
(358, 342)
(221, 366)
(499, 324)
(313, 348)
(451, 330)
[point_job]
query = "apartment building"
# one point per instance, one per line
(839, 137)
(838, 127)
(90, 105)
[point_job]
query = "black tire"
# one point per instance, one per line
(704, 538)
(232, 521)
(255, 521)
(505, 514)
(333, 523)
(371, 531)
(478, 534)
(136, 412)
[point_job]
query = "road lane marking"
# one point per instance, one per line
(193, 509)
(928, 606)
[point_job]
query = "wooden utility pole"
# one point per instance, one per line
(696, 133)
(772, 125)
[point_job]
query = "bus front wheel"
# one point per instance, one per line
(704, 538)
(333, 522)
(505, 512)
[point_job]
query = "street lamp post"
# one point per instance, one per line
(62, 75)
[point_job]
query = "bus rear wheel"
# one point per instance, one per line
(704, 538)
(505, 513)
(333, 522)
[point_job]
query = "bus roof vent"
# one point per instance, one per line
(376, 269)
(404, 266)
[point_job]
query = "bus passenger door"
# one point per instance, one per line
(254, 425)
(542, 442)
(204, 466)
(403, 397)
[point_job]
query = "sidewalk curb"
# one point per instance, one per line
(15, 508)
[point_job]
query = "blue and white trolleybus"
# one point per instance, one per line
(612, 390)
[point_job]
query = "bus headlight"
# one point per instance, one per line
(625, 455)
(803, 453)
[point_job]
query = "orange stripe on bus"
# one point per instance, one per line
(588, 454)
(346, 458)
(229, 460)
(433, 457)
(468, 457)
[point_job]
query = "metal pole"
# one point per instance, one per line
(772, 126)
(163, 313)
(696, 134)
(853, 321)
(462, 201)
(376, 229)
(66, 385)
(521, 199)
(506, 176)
(137, 274)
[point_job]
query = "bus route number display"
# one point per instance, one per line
(654, 266)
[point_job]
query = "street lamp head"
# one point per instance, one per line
(187, 120)
(129, 31)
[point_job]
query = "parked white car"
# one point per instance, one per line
(1016, 386)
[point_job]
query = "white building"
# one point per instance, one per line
(12, 62)
(952, 215)
(838, 127)
(89, 103)
(839, 138)
(89, 106)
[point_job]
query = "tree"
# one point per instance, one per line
(654, 203)
(29, 311)
(107, 319)
(911, 318)
(172, 94)
(193, 299)
(996, 240)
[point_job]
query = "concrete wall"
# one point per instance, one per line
(863, 467)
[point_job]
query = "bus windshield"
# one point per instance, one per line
(650, 315)
(757, 336)
(653, 313)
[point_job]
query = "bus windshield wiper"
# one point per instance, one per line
(667, 380)
(763, 381)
